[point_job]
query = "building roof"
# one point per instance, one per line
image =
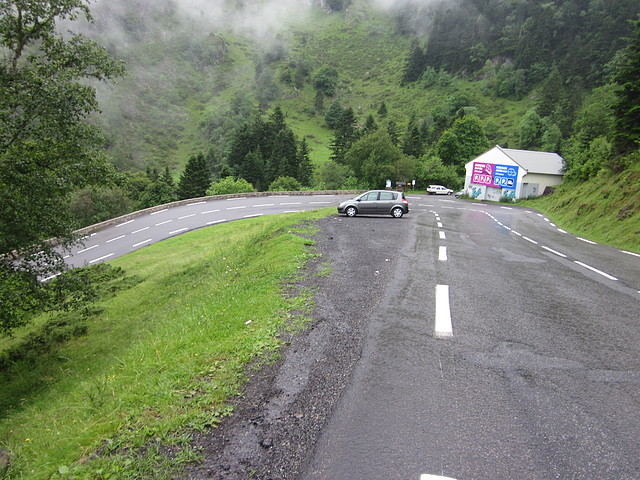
(536, 162)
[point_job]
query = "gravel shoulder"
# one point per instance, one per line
(285, 405)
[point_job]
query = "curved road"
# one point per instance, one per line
(137, 232)
(495, 345)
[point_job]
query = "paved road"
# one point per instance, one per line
(502, 348)
(119, 239)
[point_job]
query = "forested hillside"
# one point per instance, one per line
(422, 86)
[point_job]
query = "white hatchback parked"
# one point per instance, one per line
(438, 190)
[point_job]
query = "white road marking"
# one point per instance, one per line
(162, 223)
(554, 252)
(101, 258)
(187, 216)
(631, 253)
(318, 203)
(114, 239)
(254, 215)
(141, 230)
(530, 240)
(210, 211)
(178, 231)
(87, 249)
(216, 221)
(236, 208)
(443, 327)
(443, 236)
(292, 203)
(562, 231)
(442, 254)
(125, 223)
(610, 277)
(141, 243)
(439, 224)
(159, 211)
(196, 203)
(265, 205)
(507, 208)
(585, 240)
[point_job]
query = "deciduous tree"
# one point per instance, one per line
(46, 149)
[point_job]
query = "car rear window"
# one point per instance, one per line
(387, 196)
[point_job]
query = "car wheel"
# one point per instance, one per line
(351, 211)
(397, 212)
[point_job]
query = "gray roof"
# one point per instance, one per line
(536, 162)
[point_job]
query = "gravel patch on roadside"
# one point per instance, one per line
(284, 406)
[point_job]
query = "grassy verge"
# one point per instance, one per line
(605, 209)
(159, 357)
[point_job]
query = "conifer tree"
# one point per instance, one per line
(305, 167)
(627, 107)
(195, 179)
(346, 133)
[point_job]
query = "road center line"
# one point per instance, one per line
(159, 211)
(187, 216)
(114, 239)
(236, 208)
(443, 327)
(124, 223)
(162, 223)
(141, 230)
(87, 249)
(442, 254)
(554, 252)
(606, 275)
(442, 235)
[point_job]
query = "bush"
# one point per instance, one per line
(285, 184)
(229, 185)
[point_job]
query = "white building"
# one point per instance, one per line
(504, 172)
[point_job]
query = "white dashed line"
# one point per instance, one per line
(141, 243)
(114, 239)
(87, 249)
(606, 275)
(187, 216)
(443, 327)
(196, 203)
(585, 240)
(264, 205)
(210, 211)
(440, 225)
(554, 252)
(292, 203)
(141, 230)
(442, 236)
(178, 231)
(530, 240)
(216, 221)
(236, 208)
(125, 223)
(254, 215)
(319, 203)
(159, 211)
(442, 254)
(163, 223)
(101, 258)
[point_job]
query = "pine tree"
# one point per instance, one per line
(370, 126)
(346, 133)
(415, 64)
(195, 179)
(627, 107)
(305, 167)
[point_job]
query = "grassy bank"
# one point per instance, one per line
(605, 209)
(156, 358)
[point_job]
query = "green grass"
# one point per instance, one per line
(160, 357)
(605, 209)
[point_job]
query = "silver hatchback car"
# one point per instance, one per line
(384, 202)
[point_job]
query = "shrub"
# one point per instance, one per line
(229, 185)
(285, 184)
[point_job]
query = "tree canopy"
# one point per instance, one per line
(46, 149)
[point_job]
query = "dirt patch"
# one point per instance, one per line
(283, 408)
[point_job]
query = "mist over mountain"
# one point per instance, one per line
(199, 69)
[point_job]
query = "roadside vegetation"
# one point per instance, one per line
(113, 390)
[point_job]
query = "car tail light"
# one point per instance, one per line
(404, 200)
